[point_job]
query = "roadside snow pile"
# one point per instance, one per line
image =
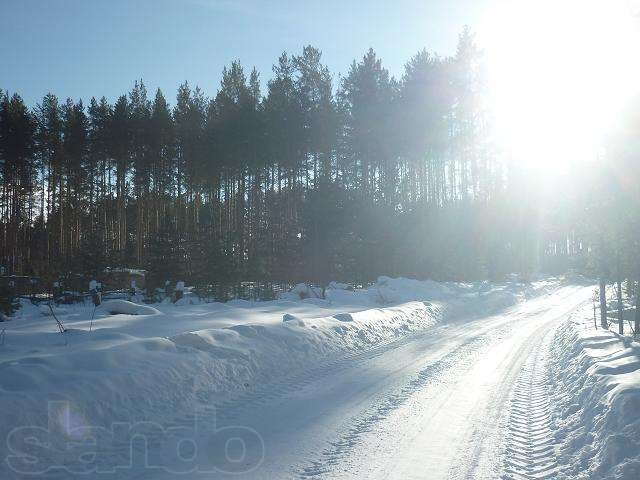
(597, 400)
(396, 290)
(461, 299)
(107, 376)
(128, 308)
(249, 354)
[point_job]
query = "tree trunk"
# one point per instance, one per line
(603, 304)
(636, 327)
(620, 308)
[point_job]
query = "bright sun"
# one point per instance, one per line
(559, 74)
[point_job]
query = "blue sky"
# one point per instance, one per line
(84, 48)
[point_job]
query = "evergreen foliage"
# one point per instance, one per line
(311, 181)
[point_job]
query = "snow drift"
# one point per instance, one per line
(597, 400)
(128, 308)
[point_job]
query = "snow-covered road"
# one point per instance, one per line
(461, 401)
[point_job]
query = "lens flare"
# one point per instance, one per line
(559, 75)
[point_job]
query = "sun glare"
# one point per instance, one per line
(559, 74)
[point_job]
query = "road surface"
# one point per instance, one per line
(464, 400)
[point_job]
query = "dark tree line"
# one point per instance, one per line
(305, 180)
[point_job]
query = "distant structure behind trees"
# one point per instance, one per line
(305, 181)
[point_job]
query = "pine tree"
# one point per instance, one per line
(17, 151)
(120, 137)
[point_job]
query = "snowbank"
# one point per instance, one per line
(302, 291)
(597, 402)
(108, 376)
(128, 308)
(246, 355)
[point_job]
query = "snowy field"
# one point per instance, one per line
(369, 383)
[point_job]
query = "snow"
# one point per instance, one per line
(597, 398)
(128, 308)
(147, 362)
(303, 291)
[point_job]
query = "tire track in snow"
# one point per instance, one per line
(432, 374)
(230, 412)
(530, 446)
(336, 460)
(214, 413)
(234, 408)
